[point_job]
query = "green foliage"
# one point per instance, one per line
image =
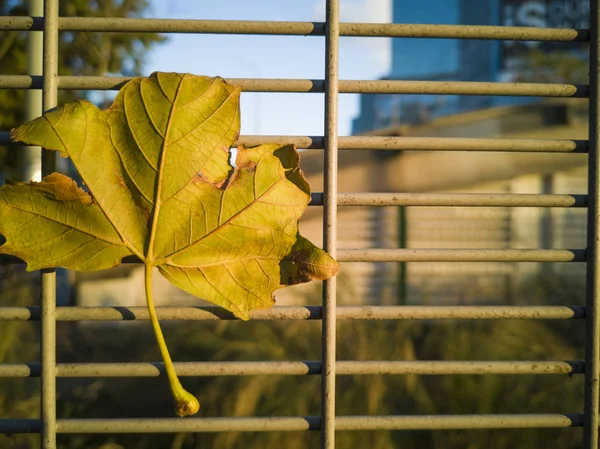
(300, 395)
(81, 53)
(156, 164)
(19, 343)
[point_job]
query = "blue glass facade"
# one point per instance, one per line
(412, 58)
(465, 60)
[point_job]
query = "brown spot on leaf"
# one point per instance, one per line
(300, 255)
(145, 213)
(61, 187)
(225, 182)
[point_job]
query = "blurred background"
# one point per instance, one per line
(498, 283)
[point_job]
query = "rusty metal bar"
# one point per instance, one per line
(212, 313)
(318, 86)
(463, 32)
(394, 143)
(461, 255)
(330, 176)
(270, 424)
(428, 255)
(439, 422)
(166, 425)
(142, 25)
(48, 318)
(462, 88)
(300, 368)
(451, 200)
(454, 199)
(412, 143)
(459, 312)
(592, 340)
(462, 144)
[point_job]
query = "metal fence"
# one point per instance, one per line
(50, 24)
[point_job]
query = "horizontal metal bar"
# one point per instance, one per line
(451, 199)
(272, 424)
(412, 143)
(461, 255)
(459, 312)
(463, 88)
(166, 425)
(298, 368)
(459, 144)
(463, 32)
(318, 86)
(454, 200)
(441, 422)
(142, 25)
(21, 23)
(212, 313)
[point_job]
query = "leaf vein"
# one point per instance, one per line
(231, 303)
(200, 95)
(150, 119)
(222, 225)
(212, 114)
(243, 286)
(70, 226)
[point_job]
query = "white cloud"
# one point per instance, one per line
(373, 11)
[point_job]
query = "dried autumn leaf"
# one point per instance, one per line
(161, 188)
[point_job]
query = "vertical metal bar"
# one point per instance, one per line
(50, 94)
(592, 344)
(332, 32)
(48, 376)
(30, 161)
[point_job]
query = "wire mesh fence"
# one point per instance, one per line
(328, 313)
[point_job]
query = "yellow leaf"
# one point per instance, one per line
(161, 188)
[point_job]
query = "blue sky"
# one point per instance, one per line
(274, 57)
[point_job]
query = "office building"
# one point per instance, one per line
(472, 60)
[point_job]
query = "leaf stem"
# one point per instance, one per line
(185, 403)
